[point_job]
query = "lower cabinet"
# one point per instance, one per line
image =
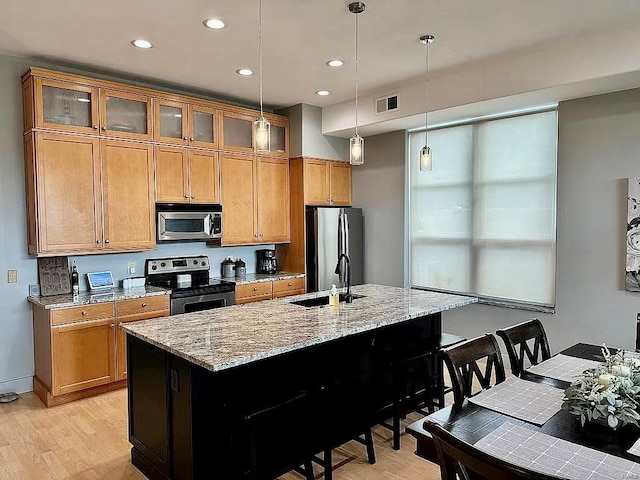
(81, 351)
(255, 292)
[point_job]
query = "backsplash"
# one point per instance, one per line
(117, 263)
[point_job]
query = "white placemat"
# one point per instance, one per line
(546, 454)
(529, 401)
(635, 449)
(563, 367)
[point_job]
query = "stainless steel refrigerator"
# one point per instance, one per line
(331, 231)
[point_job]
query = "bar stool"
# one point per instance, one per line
(269, 432)
(418, 382)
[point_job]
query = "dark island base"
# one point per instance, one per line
(186, 422)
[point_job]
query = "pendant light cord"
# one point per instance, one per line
(357, 36)
(260, 53)
(426, 100)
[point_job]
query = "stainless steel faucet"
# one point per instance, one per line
(349, 297)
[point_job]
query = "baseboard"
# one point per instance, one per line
(18, 385)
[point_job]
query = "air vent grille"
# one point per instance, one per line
(387, 104)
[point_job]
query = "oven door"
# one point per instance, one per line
(189, 226)
(199, 303)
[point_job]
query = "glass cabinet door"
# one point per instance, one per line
(203, 126)
(66, 106)
(125, 115)
(279, 141)
(237, 132)
(171, 122)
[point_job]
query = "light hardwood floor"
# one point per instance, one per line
(87, 439)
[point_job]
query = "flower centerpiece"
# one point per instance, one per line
(608, 393)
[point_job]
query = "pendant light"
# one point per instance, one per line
(261, 125)
(356, 143)
(426, 159)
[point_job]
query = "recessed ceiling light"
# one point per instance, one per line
(140, 43)
(335, 63)
(244, 71)
(214, 23)
(322, 93)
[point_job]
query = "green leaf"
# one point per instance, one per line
(612, 421)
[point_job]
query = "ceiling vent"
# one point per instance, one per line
(387, 104)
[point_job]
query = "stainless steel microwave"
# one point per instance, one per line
(188, 223)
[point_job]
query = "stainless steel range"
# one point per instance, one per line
(191, 288)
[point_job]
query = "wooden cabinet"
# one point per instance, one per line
(125, 115)
(81, 351)
(132, 311)
(257, 291)
(327, 182)
(83, 355)
(237, 132)
(185, 124)
(203, 126)
(66, 199)
(279, 136)
(127, 193)
(274, 224)
(186, 176)
(89, 195)
(65, 106)
(255, 199)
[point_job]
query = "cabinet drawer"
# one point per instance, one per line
(142, 305)
(85, 312)
(282, 288)
(253, 290)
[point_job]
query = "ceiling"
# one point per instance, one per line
(299, 36)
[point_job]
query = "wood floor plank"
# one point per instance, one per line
(88, 439)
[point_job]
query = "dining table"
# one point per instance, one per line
(478, 425)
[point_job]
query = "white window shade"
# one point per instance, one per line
(483, 221)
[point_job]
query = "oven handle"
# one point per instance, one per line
(211, 222)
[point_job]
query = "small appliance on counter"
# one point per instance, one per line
(241, 268)
(191, 288)
(267, 262)
(228, 268)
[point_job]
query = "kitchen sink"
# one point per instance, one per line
(319, 301)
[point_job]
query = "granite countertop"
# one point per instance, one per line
(223, 338)
(85, 298)
(262, 277)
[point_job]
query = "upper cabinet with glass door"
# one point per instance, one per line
(125, 115)
(203, 126)
(237, 131)
(279, 136)
(170, 122)
(65, 106)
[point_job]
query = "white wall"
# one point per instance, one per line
(16, 343)
(378, 187)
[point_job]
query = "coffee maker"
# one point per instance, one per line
(267, 262)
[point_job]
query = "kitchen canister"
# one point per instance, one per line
(228, 268)
(240, 268)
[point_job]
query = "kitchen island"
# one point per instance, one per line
(192, 376)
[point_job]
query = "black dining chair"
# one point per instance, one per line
(458, 459)
(479, 359)
(525, 341)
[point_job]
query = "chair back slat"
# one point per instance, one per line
(517, 338)
(463, 362)
(458, 457)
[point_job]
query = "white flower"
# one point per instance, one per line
(606, 379)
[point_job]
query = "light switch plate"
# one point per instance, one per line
(131, 268)
(12, 276)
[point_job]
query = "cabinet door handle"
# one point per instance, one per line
(255, 289)
(106, 241)
(256, 235)
(184, 138)
(112, 325)
(193, 197)
(289, 283)
(84, 313)
(98, 241)
(262, 234)
(95, 127)
(144, 304)
(186, 196)
(104, 128)
(192, 139)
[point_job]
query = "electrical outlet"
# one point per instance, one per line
(131, 267)
(12, 276)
